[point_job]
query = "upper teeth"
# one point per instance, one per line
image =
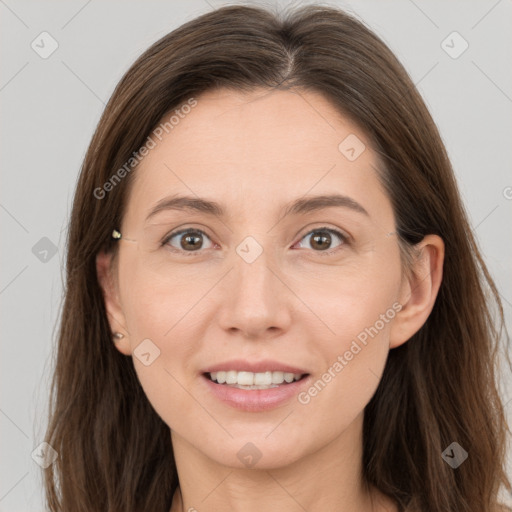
(250, 378)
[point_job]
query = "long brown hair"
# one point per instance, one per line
(115, 452)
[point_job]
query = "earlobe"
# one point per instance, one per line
(419, 291)
(115, 314)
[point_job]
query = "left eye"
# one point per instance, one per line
(322, 237)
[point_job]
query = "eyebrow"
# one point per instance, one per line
(300, 206)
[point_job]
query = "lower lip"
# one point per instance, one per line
(256, 400)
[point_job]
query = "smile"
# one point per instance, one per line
(250, 380)
(255, 397)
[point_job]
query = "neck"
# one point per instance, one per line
(329, 477)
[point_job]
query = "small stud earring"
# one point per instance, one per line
(116, 234)
(118, 336)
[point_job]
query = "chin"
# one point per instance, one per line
(257, 454)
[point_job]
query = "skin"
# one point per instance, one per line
(253, 153)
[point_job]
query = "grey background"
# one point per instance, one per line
(50, 108)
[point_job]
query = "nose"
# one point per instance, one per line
(256, 302)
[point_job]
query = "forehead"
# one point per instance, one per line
(272, 145)
(231, 122)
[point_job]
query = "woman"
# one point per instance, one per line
(274, 300)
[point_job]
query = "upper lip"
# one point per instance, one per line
(242, 365)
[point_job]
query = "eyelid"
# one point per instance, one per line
(344, 237)
(340, 232)
(172, 234)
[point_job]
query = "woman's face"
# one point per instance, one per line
(315, 288)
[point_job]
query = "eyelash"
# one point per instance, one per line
(329, 252)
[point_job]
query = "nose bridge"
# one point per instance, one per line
(252, 269)
(256, 298)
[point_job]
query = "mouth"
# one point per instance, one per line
(252, 381)
(255, 392)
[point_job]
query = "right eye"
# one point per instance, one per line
(191, 243)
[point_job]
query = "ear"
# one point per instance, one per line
(419, 291)
(108, 283)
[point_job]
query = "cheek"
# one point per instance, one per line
(358, 308)
(352, 299)
(164, 306)
(353, 362)
(157, 302)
